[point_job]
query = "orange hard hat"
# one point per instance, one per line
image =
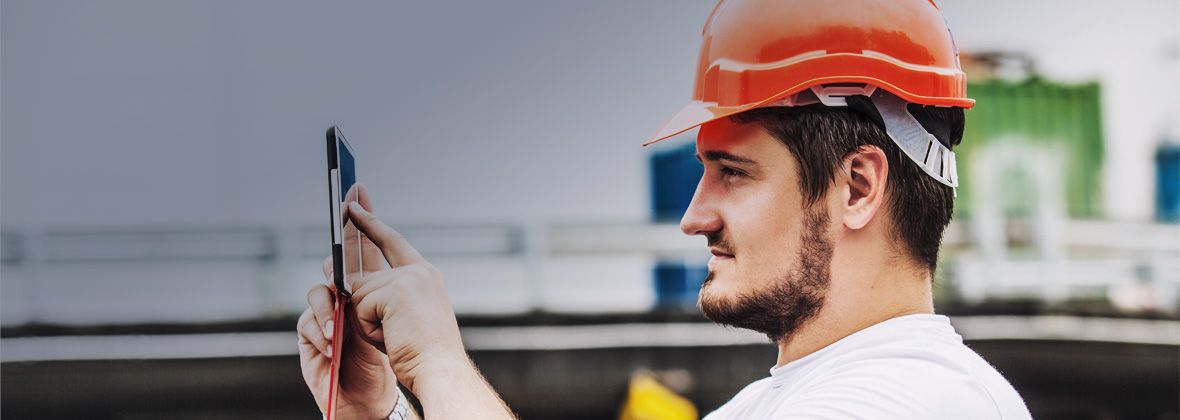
(758, 52)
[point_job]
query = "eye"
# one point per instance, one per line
(727, 172)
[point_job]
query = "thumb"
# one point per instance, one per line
(358, 330)
(394, 246)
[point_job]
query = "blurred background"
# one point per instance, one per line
(163, 184)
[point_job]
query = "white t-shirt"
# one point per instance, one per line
(910, 367)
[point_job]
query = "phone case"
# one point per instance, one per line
(338, 330)
(343, 297)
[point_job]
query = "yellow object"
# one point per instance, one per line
(647, 399)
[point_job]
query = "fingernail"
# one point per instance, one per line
(328, 330)
(355, 206)
(329, 352)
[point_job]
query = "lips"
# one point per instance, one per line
(719, 259)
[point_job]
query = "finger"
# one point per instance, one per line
(354, 245)
(396, 249)
(347, 227)
(371, 255)
(357, 192)
(353, 192)
(320, 300)
(329, 275)
(363, 197)
(310, 334)
(358, 329)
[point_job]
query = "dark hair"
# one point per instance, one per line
(820, 137)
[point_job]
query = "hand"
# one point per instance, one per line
(368, 386)
(405, 309)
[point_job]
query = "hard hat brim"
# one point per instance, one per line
(698, 113)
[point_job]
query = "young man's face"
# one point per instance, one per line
(771, 255)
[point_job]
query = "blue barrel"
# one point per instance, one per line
(1167, 183)
(674, 176)
(678, 284)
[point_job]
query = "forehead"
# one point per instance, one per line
(748, 140)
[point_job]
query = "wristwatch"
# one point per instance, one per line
(401, 410)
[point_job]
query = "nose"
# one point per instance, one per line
(701, 216)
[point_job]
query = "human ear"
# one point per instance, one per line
(865, 173)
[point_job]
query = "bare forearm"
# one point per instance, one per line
(457, 390)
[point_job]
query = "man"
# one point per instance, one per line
(826, 129)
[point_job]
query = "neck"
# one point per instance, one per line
(857, 299)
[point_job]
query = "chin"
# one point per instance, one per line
(717, 286)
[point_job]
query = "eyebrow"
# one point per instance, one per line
(715, 155)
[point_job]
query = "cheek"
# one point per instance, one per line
(767, 240)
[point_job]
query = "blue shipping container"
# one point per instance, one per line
(674, 176)
(1167, 184)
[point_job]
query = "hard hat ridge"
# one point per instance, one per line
(757, 52)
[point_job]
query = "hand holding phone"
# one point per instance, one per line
(389, 321)
(366, 386)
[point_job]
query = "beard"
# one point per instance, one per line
(790, 301)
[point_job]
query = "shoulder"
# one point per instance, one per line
(930, 380)
(747, 396)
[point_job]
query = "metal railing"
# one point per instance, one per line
(215, 274)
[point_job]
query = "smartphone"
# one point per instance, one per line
(345, 239)
(346, 249)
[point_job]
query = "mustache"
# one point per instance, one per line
(716, 240)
